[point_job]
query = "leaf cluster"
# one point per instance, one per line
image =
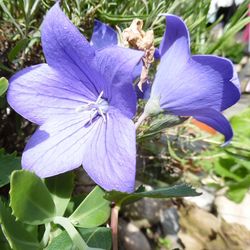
(232, 163)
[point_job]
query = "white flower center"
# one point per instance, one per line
(100, 106)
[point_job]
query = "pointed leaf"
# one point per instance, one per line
(180, 190)
(30, 199)
(61, 187)
(20, 45)
(8, 163)
(3, 85)
(16, 234)
(93, 211)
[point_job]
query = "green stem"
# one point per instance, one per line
(72, 232)
(45, 238)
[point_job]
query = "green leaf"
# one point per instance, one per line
(241, 127)
(62, 241)
(238, 190)
(20, 45)
(93, 211)
(223, 167)
(3, 241)
(229, 33)
(61, 187)
(99, 237)
(180, 190)
(30, 199)
(8, 163)
(3, 85)
(16, 234)
(95, 237)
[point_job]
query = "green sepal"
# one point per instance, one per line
(161, 122)
(93, 211)
(30, 199)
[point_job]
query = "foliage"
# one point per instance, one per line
(40, 203)
(37, 204)
(24, 19)
(232, 163)
(8, 163)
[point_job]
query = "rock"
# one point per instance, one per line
(131, 238)
(170, 221)
(201, 230)
(204, 201)
(232, 212)
(170, 226)
(146, 208)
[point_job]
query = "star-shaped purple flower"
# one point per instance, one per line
(83, 100)
(192, 85)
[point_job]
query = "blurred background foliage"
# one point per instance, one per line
(20, 21)
(175, 152)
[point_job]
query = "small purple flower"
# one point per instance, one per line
(192, 85)
(103, 36)
(83, 100)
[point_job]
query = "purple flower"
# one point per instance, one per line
(192, 85)
(83, 100)
(103, 36)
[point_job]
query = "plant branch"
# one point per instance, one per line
(114, 226)
(72, 232)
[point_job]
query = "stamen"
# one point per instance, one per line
(100, 106)
(99, 97)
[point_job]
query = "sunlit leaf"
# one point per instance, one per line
(61, 187)
(93, 211)
(30, 199)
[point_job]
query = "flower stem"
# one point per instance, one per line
(72, 232)
(140, 120)
(114, 226)
(45, 238)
